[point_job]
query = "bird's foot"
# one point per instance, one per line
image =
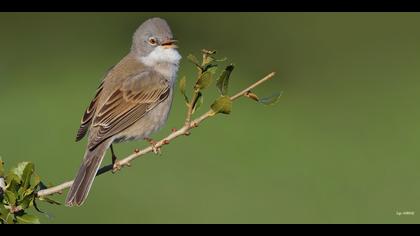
(116, 166)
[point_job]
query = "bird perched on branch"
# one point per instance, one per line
(131, 103)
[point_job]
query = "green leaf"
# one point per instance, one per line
(223, 81)
(3, 210)
(49, 200)
(10, 219)
(11, 177)
(212, 68)
(222, 105)
(3, 214)
(194, 60)
(20, 193)
(29, 192)
(204, 81)
(36, 207)
(182, 86)
(10, 197)
(27, 174)
(37, 180)
(270, 100)
(221, 60)
(18, 171)
(27, 219)
(27, 201)
(197, 102)
(12, 182)
(43, 186)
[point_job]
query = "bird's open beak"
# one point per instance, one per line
(170, 43)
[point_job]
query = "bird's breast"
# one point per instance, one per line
(168, 70)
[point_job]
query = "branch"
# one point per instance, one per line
(185, 130)
(243, 92)
(190, 108)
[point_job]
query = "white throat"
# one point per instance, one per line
(161, 55)
(163, 60)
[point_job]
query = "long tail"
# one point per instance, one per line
(87, 172)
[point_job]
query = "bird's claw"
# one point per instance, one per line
(116, 167)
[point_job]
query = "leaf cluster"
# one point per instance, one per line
(18, 188)
(206, 74)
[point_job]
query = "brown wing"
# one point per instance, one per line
(127, 104)
(88, 115)
(90, 111)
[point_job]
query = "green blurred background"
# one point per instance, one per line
(341, 146)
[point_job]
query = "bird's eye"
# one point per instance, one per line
(152, 41)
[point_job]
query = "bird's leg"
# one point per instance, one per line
(152, 142)
(115, 164)
(114, 157)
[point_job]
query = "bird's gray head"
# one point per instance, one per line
(153, 40)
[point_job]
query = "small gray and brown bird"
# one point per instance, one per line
(132, 102)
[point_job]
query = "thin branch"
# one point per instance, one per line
(185, 130)
(243, 92)
(191, 107)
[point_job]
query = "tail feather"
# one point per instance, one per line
(86, 174)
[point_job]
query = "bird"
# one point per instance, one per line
(132, 101)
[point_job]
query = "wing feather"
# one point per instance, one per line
(90, 111)
(88, 115)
